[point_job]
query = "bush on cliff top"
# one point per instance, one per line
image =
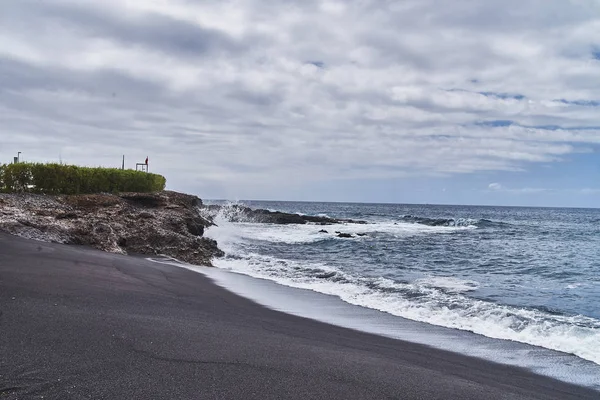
(71, 179)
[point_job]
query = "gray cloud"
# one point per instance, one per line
(258, 95)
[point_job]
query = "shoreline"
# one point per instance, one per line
(81, 322)
(331, 309)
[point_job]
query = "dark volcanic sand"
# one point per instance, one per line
(79, 323)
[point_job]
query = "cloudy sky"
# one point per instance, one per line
(419, 101)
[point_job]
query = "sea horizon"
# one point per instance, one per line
(393, 203)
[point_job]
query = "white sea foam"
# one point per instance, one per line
(435, 300)
(420, 301)
(289, 233)
(324, 215)
(449, 284)
(309, 233)
(574, 285)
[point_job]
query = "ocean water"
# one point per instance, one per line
(528, 275)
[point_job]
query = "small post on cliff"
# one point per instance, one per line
(123, 165)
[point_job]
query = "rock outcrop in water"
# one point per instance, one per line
(345, 235)
(166, 223)
(240, 213)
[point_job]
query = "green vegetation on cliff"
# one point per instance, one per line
(71, 179)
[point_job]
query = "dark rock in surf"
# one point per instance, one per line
(323, 231)
(326, 275)
(345, 235)
(429, 221)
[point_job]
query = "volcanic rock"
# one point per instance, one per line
(326, 275)
(166, 223)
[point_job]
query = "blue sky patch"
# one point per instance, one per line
(503, 96)
(583, 103)
(495, 123)
(319, 64)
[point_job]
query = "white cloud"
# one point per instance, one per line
(496, 187)
(589, 191)
(266, 94)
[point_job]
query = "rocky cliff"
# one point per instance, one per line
(166, 223)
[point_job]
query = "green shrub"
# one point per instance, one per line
(71, 179)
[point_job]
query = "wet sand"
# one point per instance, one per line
(79, 323)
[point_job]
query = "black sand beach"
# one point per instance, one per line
(79, 323)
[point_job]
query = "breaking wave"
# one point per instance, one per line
(452, 222)
(438, 301)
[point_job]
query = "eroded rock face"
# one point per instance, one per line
(165, 223)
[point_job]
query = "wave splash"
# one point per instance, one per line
(453, 222)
